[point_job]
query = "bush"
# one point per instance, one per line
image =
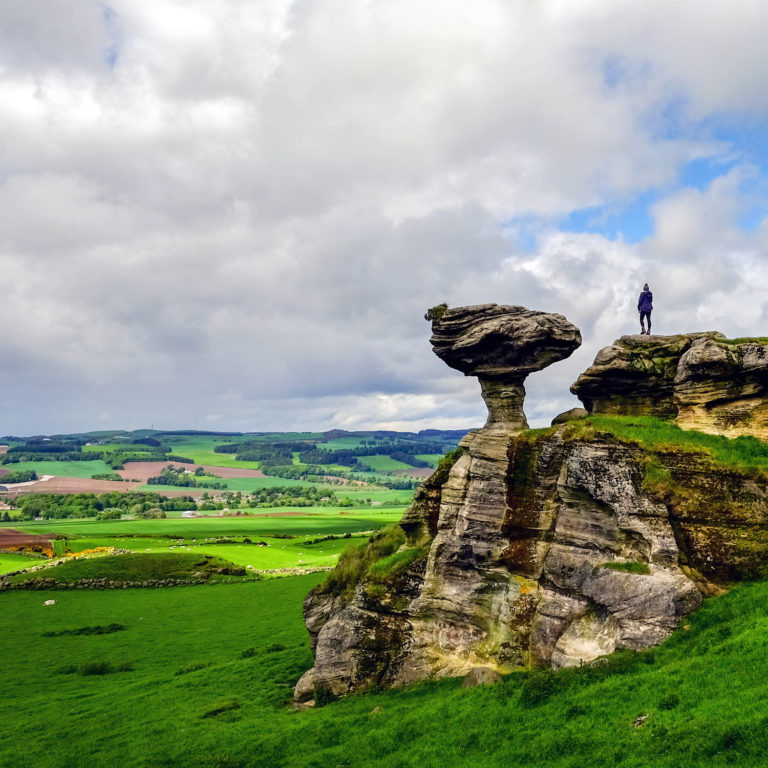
(248, 653)
(539, 686)
(193, 667)
(670, 701)
(324, 695)
(96, 668)
(274, 648)
(225, 706)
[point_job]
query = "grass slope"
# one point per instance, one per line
(703, 692)
(134, 567)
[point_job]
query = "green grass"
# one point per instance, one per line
(200, 450)
(745, 340)
(382, 463)
(703, 691)
(317, 522)
(134, 567)
(432, 458)
(658, 435)
(63, 468)
(12, 562)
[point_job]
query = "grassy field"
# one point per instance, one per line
(63, 468)
(246, 484)
(12, 562)
(134, 567)
(382, 463)
(431, 458)
(209, 669)
(203, 536)
(310, 522)
(199, 448)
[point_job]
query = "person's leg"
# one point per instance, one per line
(648, 315)
(642, 323)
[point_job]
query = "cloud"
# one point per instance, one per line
(215, 212)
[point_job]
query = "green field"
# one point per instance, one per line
(12, 562)
(202, 535)
(200, 450)
(190, 697)
(431, 458)
(63, 468)
(382, 463)
(142, 566)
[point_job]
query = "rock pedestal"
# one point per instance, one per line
(501, 345)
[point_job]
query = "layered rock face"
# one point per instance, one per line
(501, 345)
(702, 380)
(529, 548)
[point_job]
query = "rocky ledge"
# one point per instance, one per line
(702, 380)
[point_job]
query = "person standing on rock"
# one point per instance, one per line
(644, 307)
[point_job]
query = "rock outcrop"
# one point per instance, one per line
(547, 548)
(501, 345)
(702, 380)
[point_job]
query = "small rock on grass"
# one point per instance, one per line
(481, 676)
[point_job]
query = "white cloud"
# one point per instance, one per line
(235, 213)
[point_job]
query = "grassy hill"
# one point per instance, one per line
(207, 672)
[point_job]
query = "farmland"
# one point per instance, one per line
(202, 676)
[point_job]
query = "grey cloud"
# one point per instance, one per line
(243, 223)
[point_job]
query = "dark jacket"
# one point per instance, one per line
(645, 302)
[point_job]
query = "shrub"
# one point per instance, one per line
(274, 648)
(95, 668)
(324, 695)
(539, 686)
(248, 653)
(193, 667)
(225, 706)
(670, 701)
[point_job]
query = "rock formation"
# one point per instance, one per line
(702, 380)
(542, 548)
(501, 345)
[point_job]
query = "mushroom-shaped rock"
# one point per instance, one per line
(501, 345)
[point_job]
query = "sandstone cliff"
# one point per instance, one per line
(702, 380)
(546, 547)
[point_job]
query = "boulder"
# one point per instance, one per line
(573, 414)
(501, 345)
(481, 676)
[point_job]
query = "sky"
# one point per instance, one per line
(232, 215)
